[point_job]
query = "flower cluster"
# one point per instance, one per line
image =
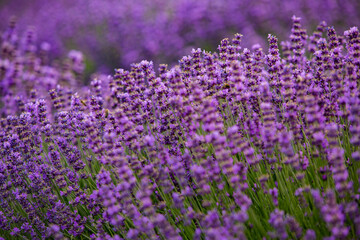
(239, 143)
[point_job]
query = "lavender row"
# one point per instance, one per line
(122, 32)
(235, 144)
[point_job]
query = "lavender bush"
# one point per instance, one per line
(234, 144)
(115, 33)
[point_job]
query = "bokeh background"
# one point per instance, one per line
(116, 33)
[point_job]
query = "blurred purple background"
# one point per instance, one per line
(115, 34)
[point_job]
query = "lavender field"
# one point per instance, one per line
(242, 141)
(117, 33)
